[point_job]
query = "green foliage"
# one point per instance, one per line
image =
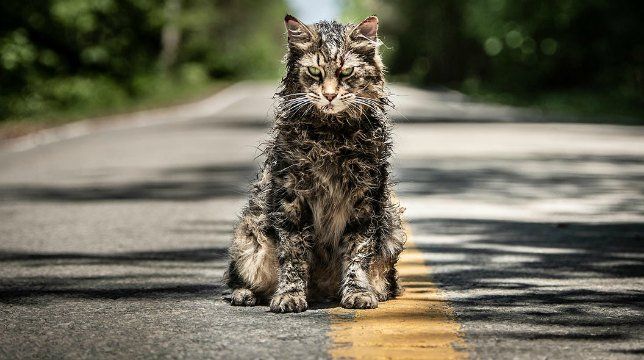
(86, 54)
(75, 55)
(234, 39)
(523, 49)
(557, 44)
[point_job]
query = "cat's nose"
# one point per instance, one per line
(331, 96)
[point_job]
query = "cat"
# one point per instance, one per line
(321, 222)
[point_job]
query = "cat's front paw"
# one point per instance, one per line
(359, 300)
(243, 297)
(289, 302)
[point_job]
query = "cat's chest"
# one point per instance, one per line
(334, 166)
(334, 172)
(331, 207)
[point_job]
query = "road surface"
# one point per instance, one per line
(526, 238)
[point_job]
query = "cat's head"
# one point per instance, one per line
(333, 68)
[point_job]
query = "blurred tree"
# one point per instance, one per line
(170, 34)
(522, 48)
(60, 54)
(556, 44)
(429, 41)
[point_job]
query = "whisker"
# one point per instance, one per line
(290, 105)
(294, 109)
(293, 94)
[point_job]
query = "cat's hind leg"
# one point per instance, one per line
(252, 271)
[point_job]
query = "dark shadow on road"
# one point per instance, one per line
(520, 179)
(186, 183)
(148, 291)
(533, 280)
(639, 351)
(515, 179)
(157, 283)
(67, 258)
(581, 281)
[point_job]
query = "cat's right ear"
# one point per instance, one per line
(298, 34)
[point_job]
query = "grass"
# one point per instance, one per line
(162, 94)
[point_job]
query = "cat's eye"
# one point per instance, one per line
(346, 71)
(314, 71)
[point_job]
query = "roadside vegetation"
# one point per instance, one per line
(583, 57)
(61, 60)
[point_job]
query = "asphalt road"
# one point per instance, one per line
(113, 234)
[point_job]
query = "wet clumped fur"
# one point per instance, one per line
(322, 222)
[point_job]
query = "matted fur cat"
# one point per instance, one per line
(321, 222)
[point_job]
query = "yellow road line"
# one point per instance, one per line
(417, 325)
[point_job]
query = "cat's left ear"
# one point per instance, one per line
(368, 29)
(298, 33)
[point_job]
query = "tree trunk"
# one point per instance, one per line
(170, 34)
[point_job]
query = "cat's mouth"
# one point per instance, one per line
(329, 109)
(332, 108)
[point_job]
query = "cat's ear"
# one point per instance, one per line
(298, 33)
(368, 29)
